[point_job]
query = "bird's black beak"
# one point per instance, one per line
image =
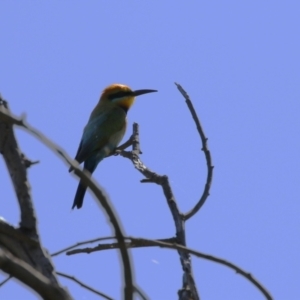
(142, 92)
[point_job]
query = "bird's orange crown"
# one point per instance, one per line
(119, 94)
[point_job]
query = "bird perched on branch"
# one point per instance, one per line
(104, 130)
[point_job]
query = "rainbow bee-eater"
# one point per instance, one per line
(104, 130)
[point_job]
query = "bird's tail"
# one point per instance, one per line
(78, 200)
(89, 165)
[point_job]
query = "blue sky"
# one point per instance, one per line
(239, 62)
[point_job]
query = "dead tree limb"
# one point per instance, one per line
(21, 253)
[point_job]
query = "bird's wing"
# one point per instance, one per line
(98, 131)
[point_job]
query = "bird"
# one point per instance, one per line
(104, 130)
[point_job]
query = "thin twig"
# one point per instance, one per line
(206, 151)
(131, 244)
(142, 295)
(125, 145)
(5, 280)
(84, 285)
(81, 244)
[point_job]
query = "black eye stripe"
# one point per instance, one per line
(119, 95)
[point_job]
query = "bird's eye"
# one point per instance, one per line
(118, 95)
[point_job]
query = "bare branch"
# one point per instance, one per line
(208, 257)
(95, 291)
(206, 151)
(189, 289)
(34, 279)
(16, 166)
(171, 244)
(125, 145)
(21, 250)
(84, 285)
(86, 178)
(128, 143)
(80, 244)
(17, 234)
(131, 244)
